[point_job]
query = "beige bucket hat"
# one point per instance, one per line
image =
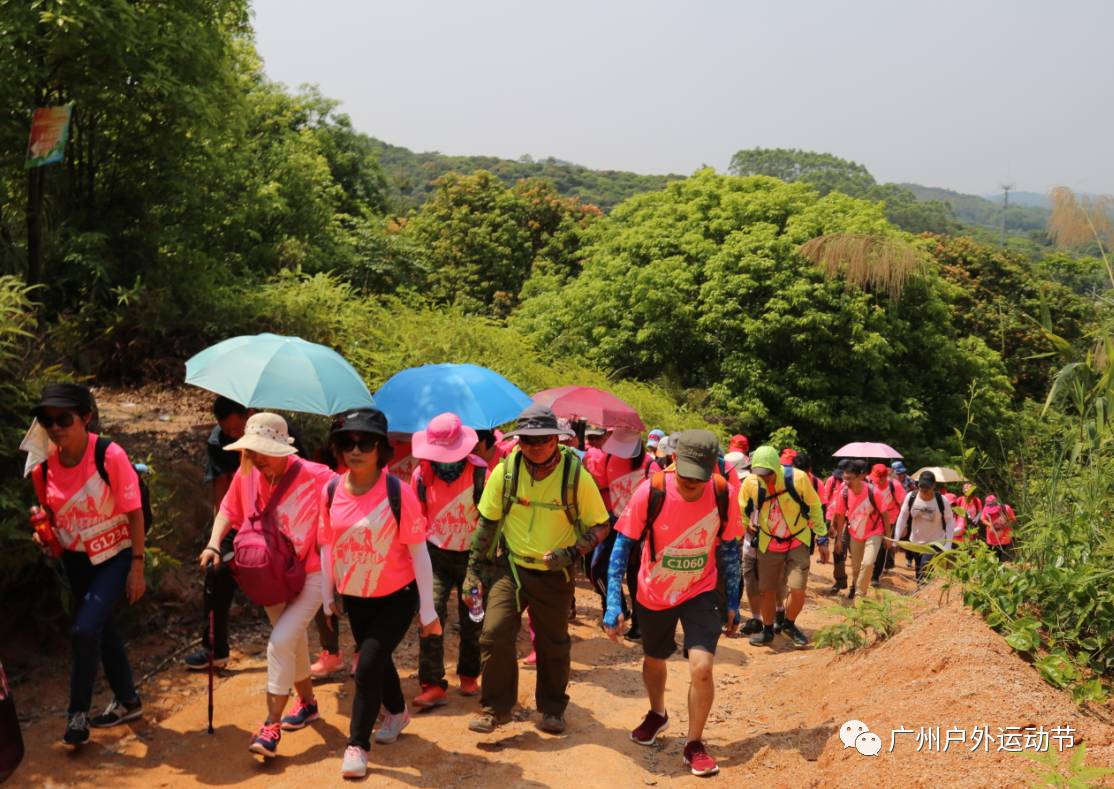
(266, 434)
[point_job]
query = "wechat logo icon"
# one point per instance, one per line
(857, 735)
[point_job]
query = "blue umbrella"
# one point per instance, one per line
(273, 371)
(481, 398)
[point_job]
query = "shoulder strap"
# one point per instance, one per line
(331, 491)
(570, 484)
(423, 467)
(510, 480)
(940, 504)
(479, 479)
(100, 451)
(791, 489)
(722, 501)
(653, 509)
(394, 497)
(870, 496)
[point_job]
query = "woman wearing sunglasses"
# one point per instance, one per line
(269, 466)
(375, 555)
(99, 525)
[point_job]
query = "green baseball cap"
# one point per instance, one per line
(697, 452)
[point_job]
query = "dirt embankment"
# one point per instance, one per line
(776, 718)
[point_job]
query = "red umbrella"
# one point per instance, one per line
(591, 404)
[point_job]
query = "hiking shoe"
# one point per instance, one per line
(355, 762)
(116, 713)
(531, 659)
(851, 593)
(469, 686)
(779, 621)
(487, 721)
(199, 660)
(838, 587)
(762, 638)
(77, 729)
(634, 634)
(431, 696)
(328, 663)
(699, 760)
(798, 638)
(392, 726)
(652, 726)
(752, 626)
(266, 740)
(304, 712)
(553, 724)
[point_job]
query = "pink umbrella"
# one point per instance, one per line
(591, 404)
(867, 449)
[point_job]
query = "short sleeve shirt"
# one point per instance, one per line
(90, 516)
(862, 519)
(537, 522)
(369, 547)
(450, 507)
(297, 513)
(685, 538)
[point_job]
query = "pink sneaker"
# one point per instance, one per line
(698, 759)
(266, 740)
(328, 663)
(531, 659)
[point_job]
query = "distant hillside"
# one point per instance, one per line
(412, 175)
(1030, 199)
(971, 209)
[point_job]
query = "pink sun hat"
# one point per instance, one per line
(444, 440)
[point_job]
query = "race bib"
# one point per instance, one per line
(105, 540)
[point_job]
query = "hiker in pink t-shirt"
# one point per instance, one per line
(969, 511)
(90, 491)
(998, 518)
(858, 512)
(375, 554)
(891, 494)
(618, 469)
(270, 468)
(682, 519)
(449, 481)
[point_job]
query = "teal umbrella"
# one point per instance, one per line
(285, 373)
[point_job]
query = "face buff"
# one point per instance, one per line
(541, 470)
(449, 472)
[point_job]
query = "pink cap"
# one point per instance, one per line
(623, 443)
(444, 440)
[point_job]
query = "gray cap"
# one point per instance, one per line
(697, 452)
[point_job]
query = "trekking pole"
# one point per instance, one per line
(212, 637)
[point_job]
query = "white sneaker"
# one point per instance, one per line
(355, 762)
(392, 726)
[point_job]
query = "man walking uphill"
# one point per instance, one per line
(540, 513)
(786, 512)
(682, 518)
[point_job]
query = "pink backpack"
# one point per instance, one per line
(264, 561)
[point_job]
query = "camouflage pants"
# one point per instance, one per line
(449, 568)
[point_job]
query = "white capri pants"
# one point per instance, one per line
(288, 647)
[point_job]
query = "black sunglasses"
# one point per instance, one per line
(535, 441)
(64, 419)
(346, 442)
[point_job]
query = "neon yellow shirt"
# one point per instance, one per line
(537, 522)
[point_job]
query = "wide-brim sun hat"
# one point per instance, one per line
(623, 443)
(537, 420)
(444, 440)
(267, 434)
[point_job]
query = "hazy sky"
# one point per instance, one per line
(956, 93)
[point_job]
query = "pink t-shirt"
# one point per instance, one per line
(297, 513)
(370, 557)
(863, 521)
(685, 537)
(999, 524)
(889, 495)
(402, 463)
(621, 481)
(450, 507)
(89, 516)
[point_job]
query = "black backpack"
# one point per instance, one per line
(939, 503)
(394, 495)
(99, 453)
(657, 501)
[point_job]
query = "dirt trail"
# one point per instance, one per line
(775, 719)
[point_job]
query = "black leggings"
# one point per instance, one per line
(379, 624)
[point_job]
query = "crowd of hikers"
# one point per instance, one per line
(667, 528)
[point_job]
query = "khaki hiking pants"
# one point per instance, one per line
(863, 555)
